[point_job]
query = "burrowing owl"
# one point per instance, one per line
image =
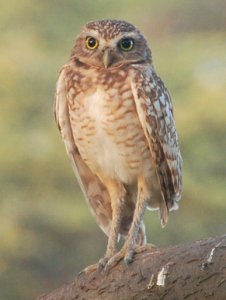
(116, 119)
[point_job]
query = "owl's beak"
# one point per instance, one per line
(107, 58)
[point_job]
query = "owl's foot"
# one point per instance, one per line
(89, 269)
(147, 247)
(102, 263)
(126, 254)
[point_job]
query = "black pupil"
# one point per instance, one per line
(92, 42)
(126, 43)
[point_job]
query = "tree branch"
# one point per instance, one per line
(194, 271)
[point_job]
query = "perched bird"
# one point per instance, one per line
(116, 119)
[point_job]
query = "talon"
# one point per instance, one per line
(147, 247)
(88, 269)
(102, 263)
(113, 261)
(128, 259)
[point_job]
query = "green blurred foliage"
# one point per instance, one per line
(47, 232)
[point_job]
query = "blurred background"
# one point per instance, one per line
(47, 233)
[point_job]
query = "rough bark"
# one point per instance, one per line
(194, 271)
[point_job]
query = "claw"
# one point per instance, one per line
(102, 263)
(88, 270)
(113, 261)
(128, 259)
(146, 247)
(125, 254)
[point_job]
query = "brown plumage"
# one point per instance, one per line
(115, 116)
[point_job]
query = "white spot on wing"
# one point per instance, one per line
(157, 105)
(168, 111)
(162, 99)
(167, 120)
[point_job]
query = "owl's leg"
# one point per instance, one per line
(128, 248)
(117, 194)
(141, 239)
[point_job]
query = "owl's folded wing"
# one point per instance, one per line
(94, 191)
(155, 112)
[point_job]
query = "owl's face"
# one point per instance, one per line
(109, 44)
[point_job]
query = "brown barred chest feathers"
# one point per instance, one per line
(106, 127)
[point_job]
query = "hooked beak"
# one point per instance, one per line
(107, 58)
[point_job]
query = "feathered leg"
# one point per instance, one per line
(117, 194)
(128, 248)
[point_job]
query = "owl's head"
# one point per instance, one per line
(110, 43)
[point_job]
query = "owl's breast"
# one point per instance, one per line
(108, 133)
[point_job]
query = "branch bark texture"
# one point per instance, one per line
(194, 271)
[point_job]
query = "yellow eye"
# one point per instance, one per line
(126, 44)
(91, 43)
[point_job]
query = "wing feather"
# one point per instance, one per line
(94, 191)
(96, 194)
(156, 116)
